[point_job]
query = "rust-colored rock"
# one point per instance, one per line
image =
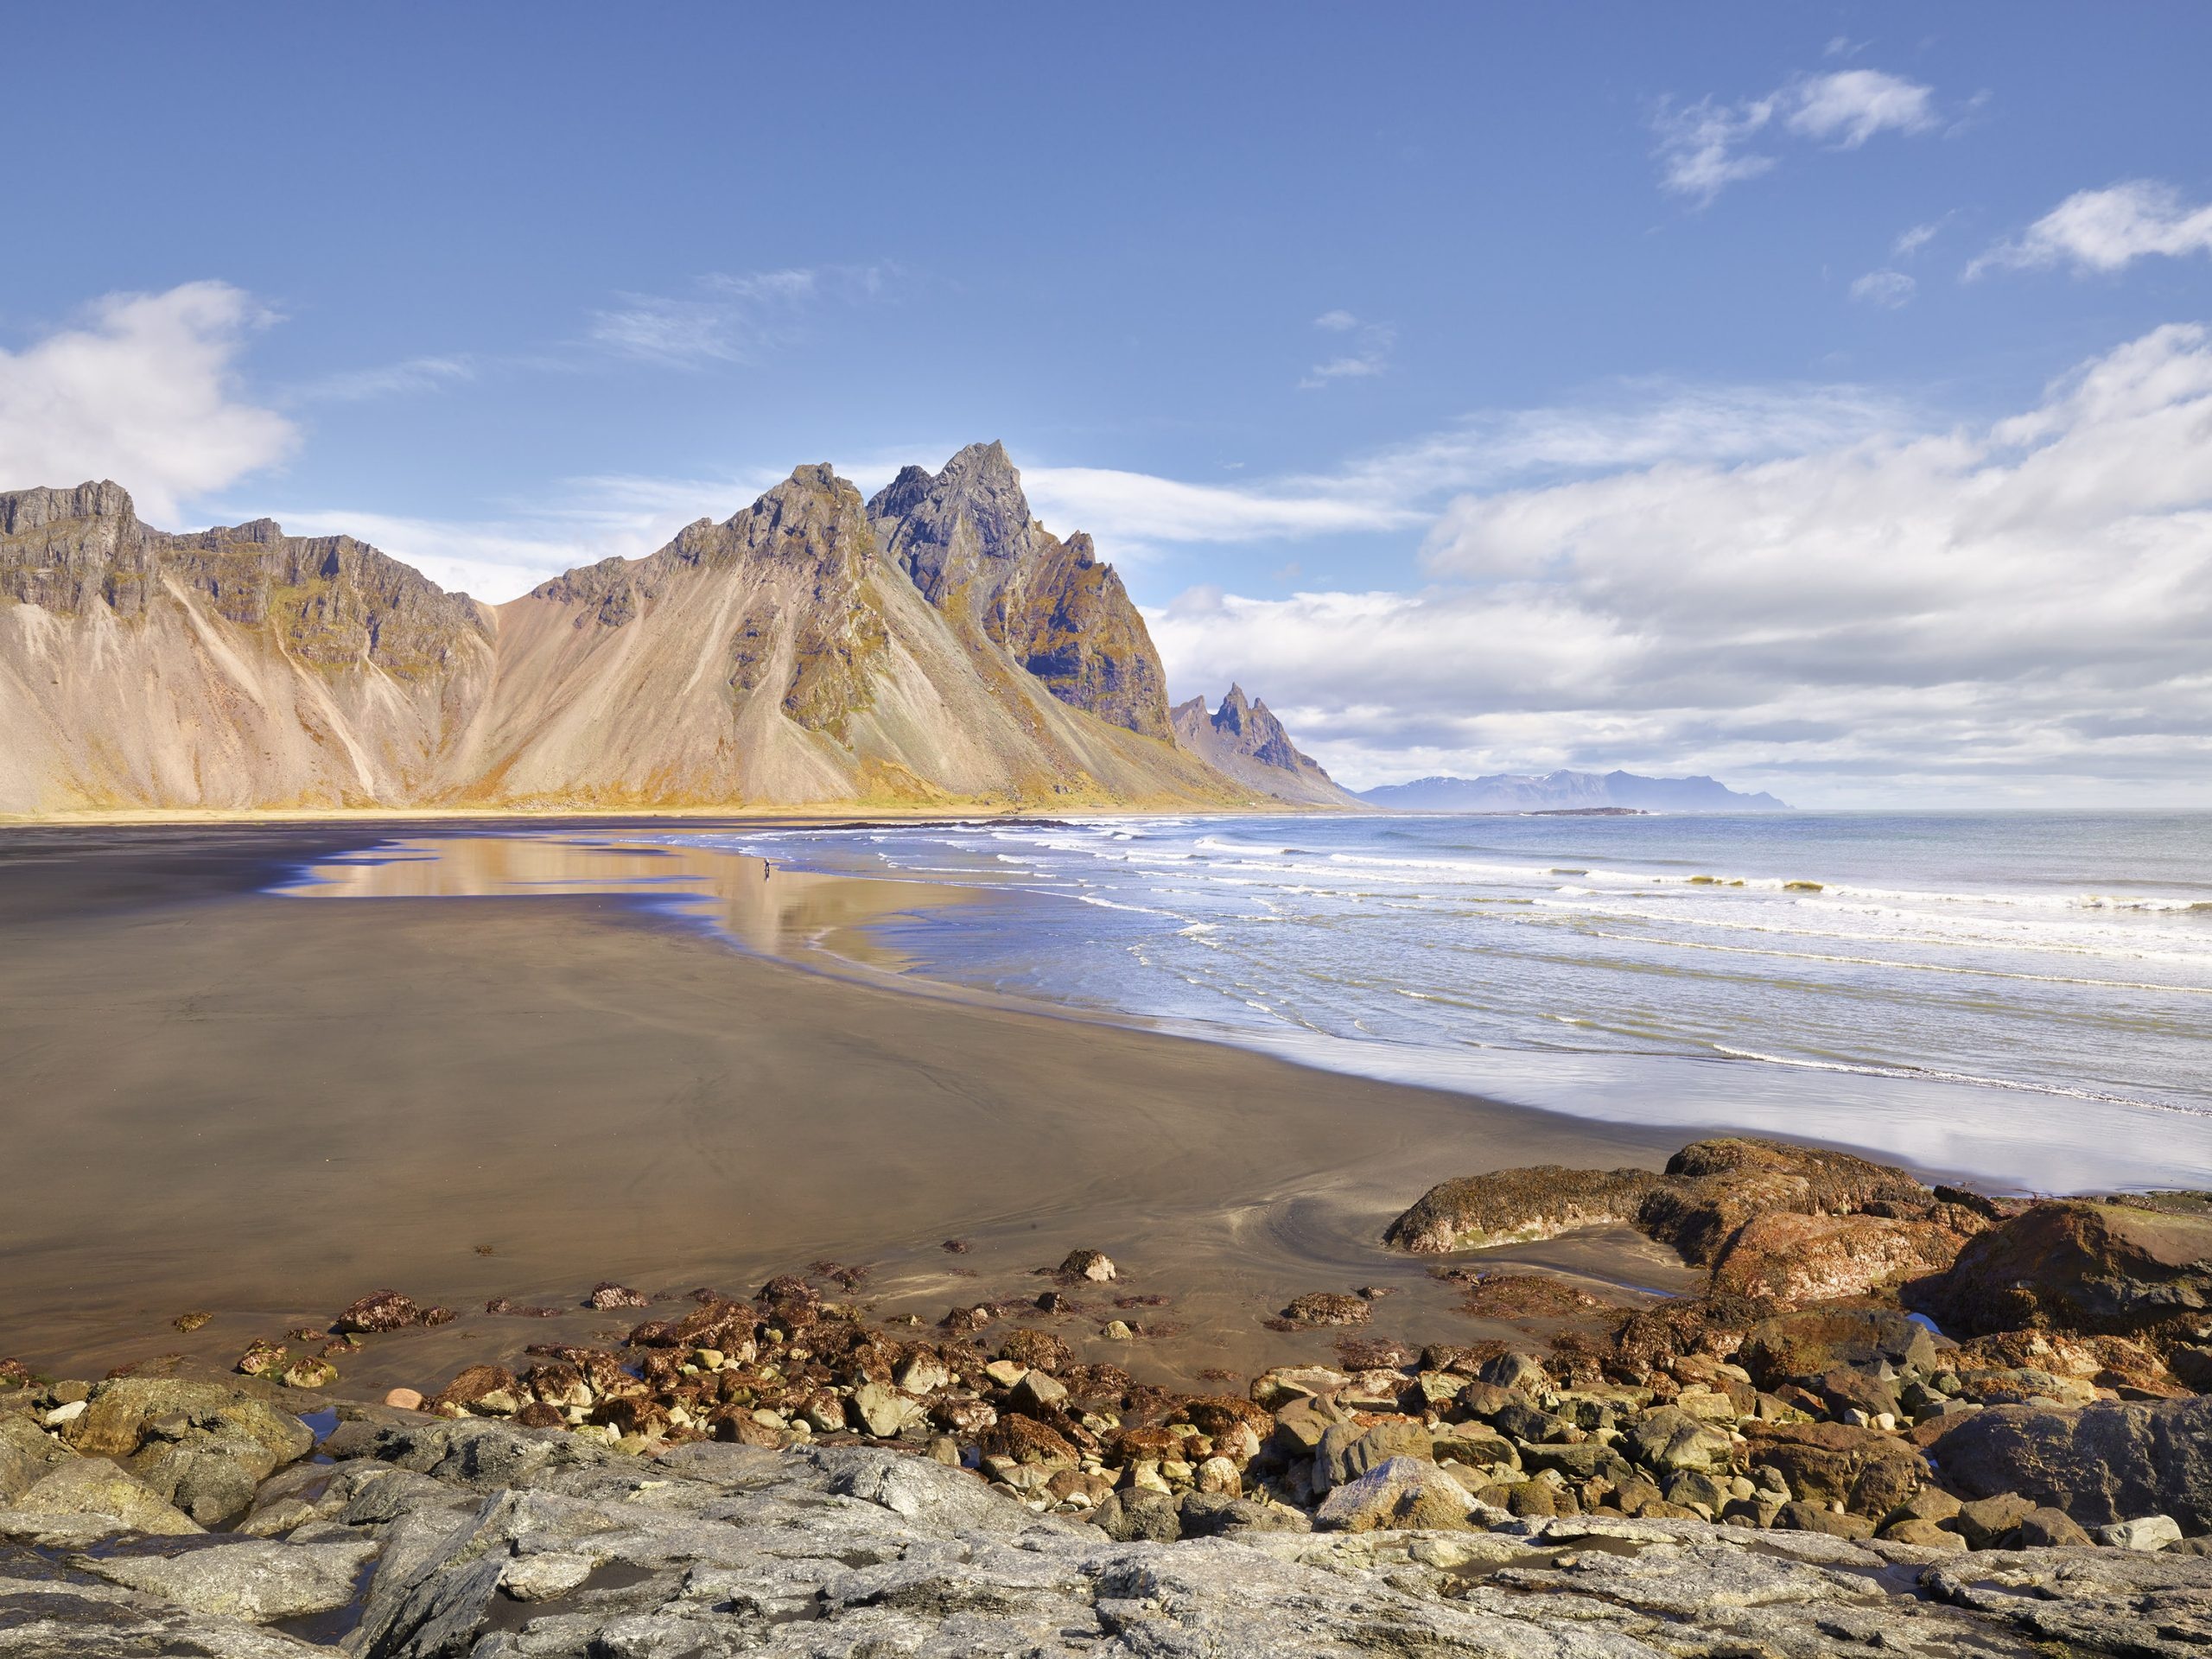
(1026, 1440)
(2080, 1266)
(1039, 1349)
(1791, 1259)
(379, 1310)
(1327, 1307)
(489, 1390)
(1871, 1473)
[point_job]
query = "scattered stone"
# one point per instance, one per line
(310, 1373)
(404, 1399)
(1323, 1307)
(483, 1391)
(188, 1323)
(1093, 1265)
(260, 1357)
(2145, 1532)
(608, 1294)
(1403, 1493)
(378, 1310)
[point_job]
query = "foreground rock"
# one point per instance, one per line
(2103, 1464)
(426, 1537)
(2073, 1265)
(1791, 1224)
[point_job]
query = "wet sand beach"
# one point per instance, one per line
(220, 1099)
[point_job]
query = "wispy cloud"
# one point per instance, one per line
(1640, 422)
(1368, 350)
(143, 390)
(729, 319)
(1848, 108)
(1892, 288)
(1911, 241)
(2106, 230)
(414, 374)
(1706, 146)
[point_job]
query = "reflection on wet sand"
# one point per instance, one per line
(760, 905)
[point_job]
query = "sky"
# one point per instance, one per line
(1815, 396)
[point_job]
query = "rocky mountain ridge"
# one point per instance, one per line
(1242, 739)
(934, 645)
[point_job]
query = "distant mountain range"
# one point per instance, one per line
(932, 645)
(1554, 791)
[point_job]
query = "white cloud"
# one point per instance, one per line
(1889, 288)
(2014, 611)
(2106, 230)
(1849, 107)
(730, 319)
(144, 391)
(1370, 352)
(1704, 147)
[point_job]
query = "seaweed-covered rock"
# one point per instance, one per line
(1515, 1206)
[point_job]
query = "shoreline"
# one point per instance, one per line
(1280, 1217)
(209, 1122)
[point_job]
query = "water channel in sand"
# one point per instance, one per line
(826, 919)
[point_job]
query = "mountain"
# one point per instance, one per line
(934, 645)
(1245, 741)
(1566, 791)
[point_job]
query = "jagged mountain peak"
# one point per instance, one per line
(965, 537)
(948, 529)
(1245, 740)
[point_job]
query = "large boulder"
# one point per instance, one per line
(2078, 1265)
(28, 1454)
(1869, 1472)
(92, 1496)
(1791, 1259)
(1808, 1346)
(2107, 1462)
(1516, 1206)
(1714, 1187)
(1406, 1493)
(201, 1446)
(1709, 1192)
(121, 1415)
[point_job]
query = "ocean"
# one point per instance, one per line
(2022, 997)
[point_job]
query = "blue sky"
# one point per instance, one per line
(1490, 388)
